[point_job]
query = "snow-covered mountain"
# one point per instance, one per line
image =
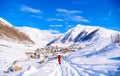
(82, 33)
(34, 35)
(9, 32)
(37, 35)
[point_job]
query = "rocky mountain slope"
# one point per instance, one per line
(7, 31)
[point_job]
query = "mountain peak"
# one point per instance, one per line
(85, 27)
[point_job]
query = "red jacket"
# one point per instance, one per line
(59, 58)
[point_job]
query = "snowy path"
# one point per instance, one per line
(69, 70)
(65, 69)
(57, 71)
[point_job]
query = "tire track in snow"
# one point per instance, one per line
(56, 72)
(86, 71)
(79, 70)
(69, 70)
(64, 69)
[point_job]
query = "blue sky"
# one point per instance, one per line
(61, 15)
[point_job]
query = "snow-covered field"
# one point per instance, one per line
(11, 51)
(84, 62)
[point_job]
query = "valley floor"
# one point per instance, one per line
(104, 61)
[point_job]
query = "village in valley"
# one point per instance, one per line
(44, 55)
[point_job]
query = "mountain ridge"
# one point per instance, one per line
(82, 33)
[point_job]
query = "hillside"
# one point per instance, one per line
(37, 35)
(7, 31)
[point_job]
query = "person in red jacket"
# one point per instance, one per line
(59, 59)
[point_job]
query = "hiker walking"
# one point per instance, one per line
(59, 59)
(60, 56)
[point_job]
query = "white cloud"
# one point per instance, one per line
(71, 15)
(30, 9)
(56, 25)
(53, 19)
(68, 11)
(79, 19)
(36, 16)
